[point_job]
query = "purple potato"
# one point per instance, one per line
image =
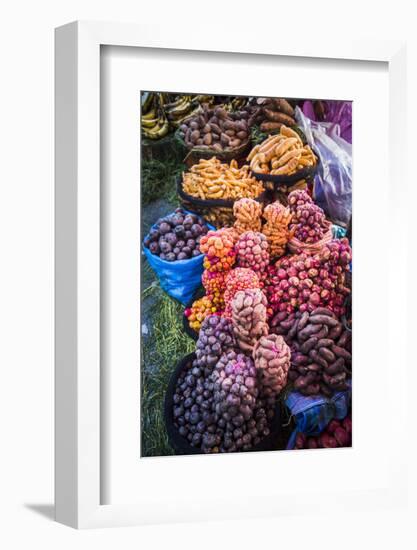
(171, 238)
(164, 227)
(154, 247)
(179, 231)
(177, 220)
(188, 221)
(165, 247)
(154, 234)
(196, 230)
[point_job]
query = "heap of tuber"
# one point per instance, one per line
(252, 250)
(276, 228)
(247, 213)
(305, 282)
(272, 361)
(338, 433)
(321, 357)
(249, 318)
(239, 278)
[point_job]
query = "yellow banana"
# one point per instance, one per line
(157, 132)
(150, 123)
(148, 116)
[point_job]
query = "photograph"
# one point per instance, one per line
(246, 273)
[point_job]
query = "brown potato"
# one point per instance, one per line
(224, 139)
(215, 128)
(207, 139)
(234, 143)
(229, 125)
(195, 135)
(240, 126)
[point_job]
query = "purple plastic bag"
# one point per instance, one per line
(335, 112)
(333, 181)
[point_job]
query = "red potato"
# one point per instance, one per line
(336, 434)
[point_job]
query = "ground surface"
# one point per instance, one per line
(161, 348)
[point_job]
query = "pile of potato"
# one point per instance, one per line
(275, 112)
(237, 279)
(247, 213)
(212, 179)
(249, 318)
(216, 129)
(338, 433)
(219, 249)
(282, 154)
(252, 250)
(276, 228)
(272, 361)
(321, 357)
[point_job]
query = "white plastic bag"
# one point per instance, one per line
(333, 181)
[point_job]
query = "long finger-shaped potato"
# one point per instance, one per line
(283, 147)
(289, 132)
(291, 165)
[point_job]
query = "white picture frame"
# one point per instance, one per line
(77, 242)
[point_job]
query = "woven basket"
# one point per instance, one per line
(218, 212)
(182, 446)
(197, 153)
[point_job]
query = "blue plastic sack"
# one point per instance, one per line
(313, 413)
(338, 232)
(179, 279)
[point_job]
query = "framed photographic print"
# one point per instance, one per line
(219, 310)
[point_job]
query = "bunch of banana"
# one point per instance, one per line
(181, 108)
(236, 104)
(154, 122)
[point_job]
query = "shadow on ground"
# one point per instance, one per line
(45, 510)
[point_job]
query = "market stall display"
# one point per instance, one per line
(267, 287)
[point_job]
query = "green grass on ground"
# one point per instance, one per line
(165, 344)
(158, 180)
